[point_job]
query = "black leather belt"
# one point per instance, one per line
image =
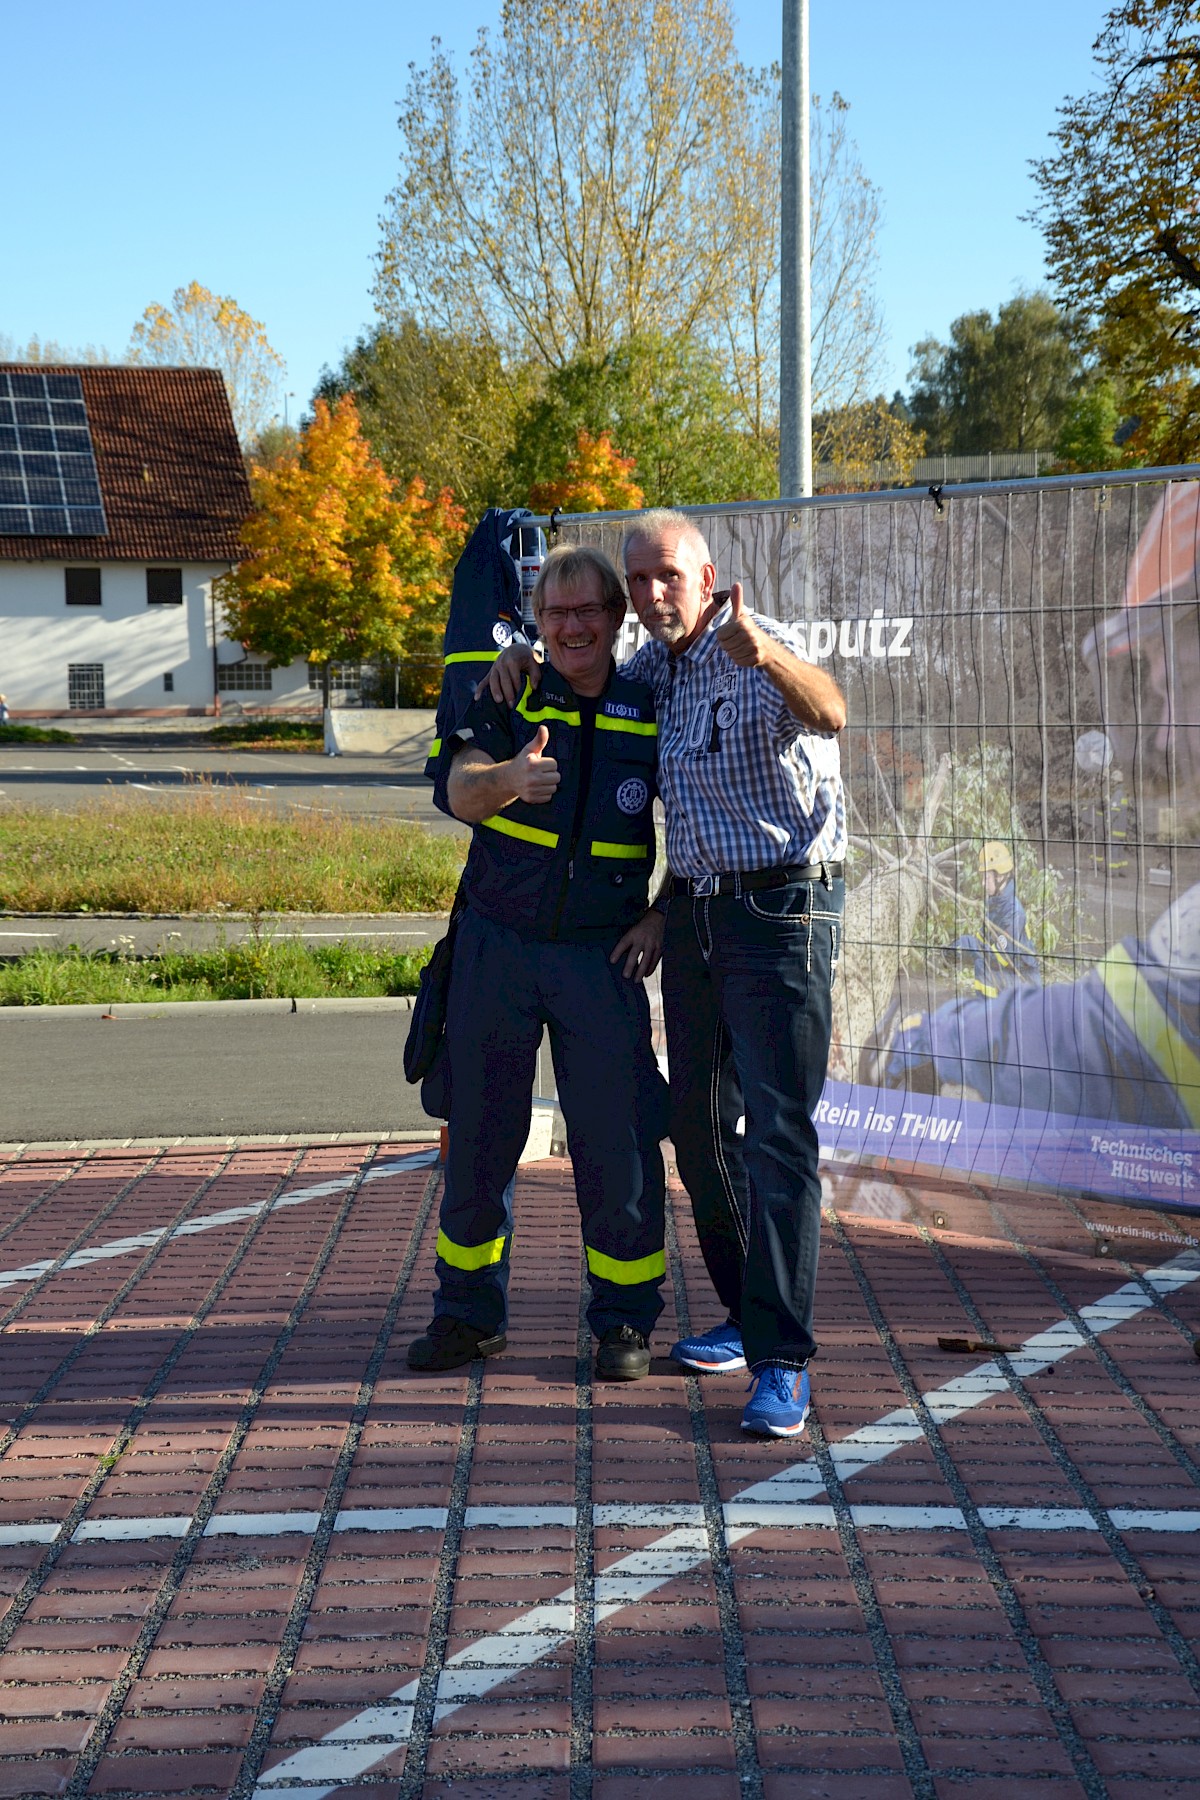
(703, 887)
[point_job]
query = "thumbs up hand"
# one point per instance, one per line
(739, 637)
(535, 776)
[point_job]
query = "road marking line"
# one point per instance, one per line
(27, 934)
(772, 1516)
(346, 1753)
(230, 1215)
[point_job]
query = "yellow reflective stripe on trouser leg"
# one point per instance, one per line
(627, 1274)
(470, 1256)
(623, 850)
(529, 833)
(1141, 1010)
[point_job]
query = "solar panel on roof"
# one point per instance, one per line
(48, 481)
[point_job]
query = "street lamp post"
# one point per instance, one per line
(795, 260)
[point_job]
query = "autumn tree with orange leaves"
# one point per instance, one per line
(345, 565)
(597, 479)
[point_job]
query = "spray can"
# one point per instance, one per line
(528, 550)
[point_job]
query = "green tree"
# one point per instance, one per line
(1003, 383)
(212, 331)
(1086, 440)
(855, 439)
(602, 178)
(664, 403)
(343, 566)
(438, 405)
(1122, 226)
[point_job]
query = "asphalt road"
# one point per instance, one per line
(69, 776)
(188, 1073)
(221, 1069)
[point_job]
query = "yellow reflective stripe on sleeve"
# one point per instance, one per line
(545, 712)
(626, 1274)
(435, 749)
(470, 1256)
(630, 850)
(530, 833)
(640, 728)
(1141, 1010)
(473, 656)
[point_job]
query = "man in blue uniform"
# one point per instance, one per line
(559, 788)
(1004, 954)
(756, 831)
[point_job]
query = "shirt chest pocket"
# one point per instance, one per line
(625, 792)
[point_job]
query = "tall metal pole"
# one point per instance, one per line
(795, 257)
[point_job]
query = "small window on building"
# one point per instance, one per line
(83, 587)
(251, 676)
(164, 587)
(169, 682)
(85, 687)
(344, 677)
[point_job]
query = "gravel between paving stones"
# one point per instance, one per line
(216, 1335)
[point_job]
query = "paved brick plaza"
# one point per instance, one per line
(245, 1551)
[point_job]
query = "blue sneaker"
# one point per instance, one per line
(716, 1351)
(778, 1406)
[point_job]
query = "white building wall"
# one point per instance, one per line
(137, 644)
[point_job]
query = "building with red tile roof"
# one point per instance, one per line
(123, 493)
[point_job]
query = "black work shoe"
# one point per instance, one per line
(624, 1355)
(449, 1343)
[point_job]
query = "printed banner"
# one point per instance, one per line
(1019, 989)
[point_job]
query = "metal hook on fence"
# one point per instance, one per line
(935, 494)
(555, 516)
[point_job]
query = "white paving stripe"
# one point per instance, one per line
(230, 1215)
(346, 1753)
(771, 1515)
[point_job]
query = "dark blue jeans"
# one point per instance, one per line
(747, 997)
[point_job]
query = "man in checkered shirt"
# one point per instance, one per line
(749, 773)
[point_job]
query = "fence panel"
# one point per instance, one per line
(1019, 994)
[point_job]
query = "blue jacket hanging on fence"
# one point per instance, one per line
(1122, 1042)
(485, 611)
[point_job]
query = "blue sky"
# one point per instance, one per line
(251, 148)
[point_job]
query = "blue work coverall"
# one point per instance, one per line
(1122, 1042)
(1004, 955)
(550, 889)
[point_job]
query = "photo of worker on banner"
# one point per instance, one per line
(1070, 1053)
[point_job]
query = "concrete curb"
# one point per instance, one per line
(234, 1009)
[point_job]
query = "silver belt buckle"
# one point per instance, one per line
(704, 886)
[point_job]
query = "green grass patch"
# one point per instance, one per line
(33, 734)
(271, 734)
(212, 849)
(262, 969)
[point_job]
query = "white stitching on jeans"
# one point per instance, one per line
(714, 1120)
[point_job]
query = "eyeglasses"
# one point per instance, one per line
(588, 614)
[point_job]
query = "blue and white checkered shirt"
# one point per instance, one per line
(745, 785)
